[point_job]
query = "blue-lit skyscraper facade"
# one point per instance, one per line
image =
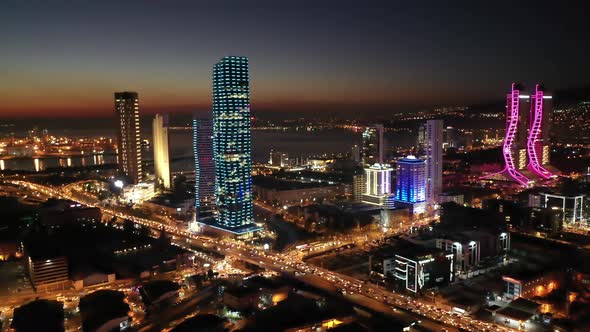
(411, 180)
(204, 165)
(232, 143)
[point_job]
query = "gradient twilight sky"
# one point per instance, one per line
(59, 58)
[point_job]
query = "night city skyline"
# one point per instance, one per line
(309, 166)
(336, 57)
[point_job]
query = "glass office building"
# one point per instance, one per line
(232, 144)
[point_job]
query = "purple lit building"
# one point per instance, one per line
(526, 145)
(204, 165)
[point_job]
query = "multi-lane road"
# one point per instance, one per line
(430, 316)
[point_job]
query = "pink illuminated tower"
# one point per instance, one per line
(538, 138)
(526, 145)
(514, 147)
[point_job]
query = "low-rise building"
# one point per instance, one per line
(256, 293)
(470, 247)
(157, 293)
(572, 207)
(48, 272)
(167, 204)
(518, 314)
(528, 285)
(138, 193)
(60, 212)
(451, 197)
(288, 192)
(39, 315)
(415, 267)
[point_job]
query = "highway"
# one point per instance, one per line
(432, 317)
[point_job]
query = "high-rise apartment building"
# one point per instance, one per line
(434, 162)
(232, 143)
(204, 165)
(128, 136)
(372, 149)
(358, 187)
(421, 140)
(451, 137)
(356, 153)
(161, 151)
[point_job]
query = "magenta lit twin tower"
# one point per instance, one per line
(526, 146)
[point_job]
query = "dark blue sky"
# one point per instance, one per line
(59, 57)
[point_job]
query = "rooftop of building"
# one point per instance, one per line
(39, 315)
(526, 274)
(525, 305)
(465, 236)
(62, 204)
(170, 199)
(270, 182)
(309, 175)
(380, 167)
(514, 313)
(297, 311)
(203, 322)
(241, 291)
(101, 306)
(156, 288)
(265, 283)
(406, 249)
(411, 160)
(456, 218)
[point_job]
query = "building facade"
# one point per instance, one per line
(434, 162)
(418, 267)
(204, 164)
(378, 185)
(358, 187)
(279, 159)
(421, 140)
(161, 151)
(571, 207)
(232, 143)
(470, 247)
(372, 149)
(410, 188)
(128, 136)
(538, 144)
(45, 272)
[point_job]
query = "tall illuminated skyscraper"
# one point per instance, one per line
(372, 149)
(161, 150)
(434, 162)
(128, 136)
(538, 144)
(411, 180)
(204, 165)
(526, 145)
(232, 143)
